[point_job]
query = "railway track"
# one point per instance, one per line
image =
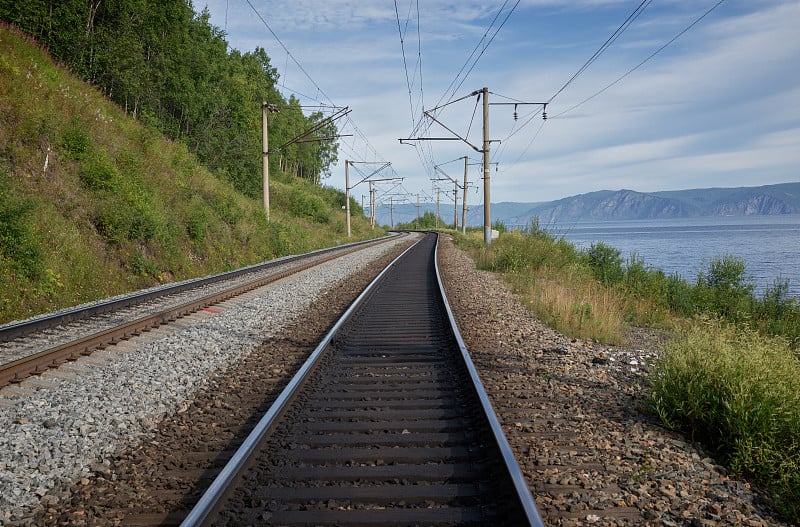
(34, 346)
(385, 424)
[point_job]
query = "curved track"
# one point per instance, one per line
(386, 424)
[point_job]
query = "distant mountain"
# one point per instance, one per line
(609, 205)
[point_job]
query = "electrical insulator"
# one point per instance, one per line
(544, 115)
(515, 112)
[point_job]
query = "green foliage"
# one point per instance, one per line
(197, 224)
(143, 266)
(168, 66)
(499, 226)
(736, 391)
(18, 242)
(724, 288)
(304, 205)
(119, 208)
(75, 140)
(606, 263)
(97, 173)
(426, 222)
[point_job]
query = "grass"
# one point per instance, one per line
(94, 203)
(729, 377)
(736, 390)
(557, 282)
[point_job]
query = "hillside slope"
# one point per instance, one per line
(94, 203)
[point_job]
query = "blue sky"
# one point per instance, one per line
(719, 107)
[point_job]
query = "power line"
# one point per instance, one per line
(313, 82)
(614, 36)
(289, 53)
(405, 64)
(475, 49)
(642, 63)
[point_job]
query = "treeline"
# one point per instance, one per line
(169, 67)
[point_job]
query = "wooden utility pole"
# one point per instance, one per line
(265, 109)
(372, 204)
(464, 201)
(487, 215)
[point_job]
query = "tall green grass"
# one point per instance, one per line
(737, 391)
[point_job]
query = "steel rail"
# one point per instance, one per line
(218, 488)
(15, 330)
(212, 499)
(512, 467)
(38, 362)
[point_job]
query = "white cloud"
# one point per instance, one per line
(720, 106)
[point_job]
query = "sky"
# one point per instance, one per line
(717, 107)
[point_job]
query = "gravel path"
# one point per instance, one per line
(572, 411)
(57, 427)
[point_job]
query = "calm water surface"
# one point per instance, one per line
(769, 244)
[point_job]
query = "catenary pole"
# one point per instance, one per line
(487, 215)
(265, 157)
(455, 205)
(347, 194)
(464, 200)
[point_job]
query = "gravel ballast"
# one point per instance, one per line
(57, 427)
(574, 414)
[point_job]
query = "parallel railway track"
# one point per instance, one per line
(167, 304)
(386, 424)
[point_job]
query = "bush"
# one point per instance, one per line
(99, 174)
(305, 205)
(18, 240)
(606, 263)
(724, 288)
(736, 390)
(75, 140)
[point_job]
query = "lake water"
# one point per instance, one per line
(770, 245)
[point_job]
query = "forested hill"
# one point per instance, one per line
(94, 202)
(168, 66)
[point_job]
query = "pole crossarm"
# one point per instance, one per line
(385, 165)
(303, 137)
(440, 123)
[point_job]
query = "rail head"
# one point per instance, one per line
(518, 479)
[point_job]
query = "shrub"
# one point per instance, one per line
(736, 390)
(75, 140)
(197, 225)
(98, 174)
(305, 205)
(18, 240)
(724, 288)
(606, 263)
